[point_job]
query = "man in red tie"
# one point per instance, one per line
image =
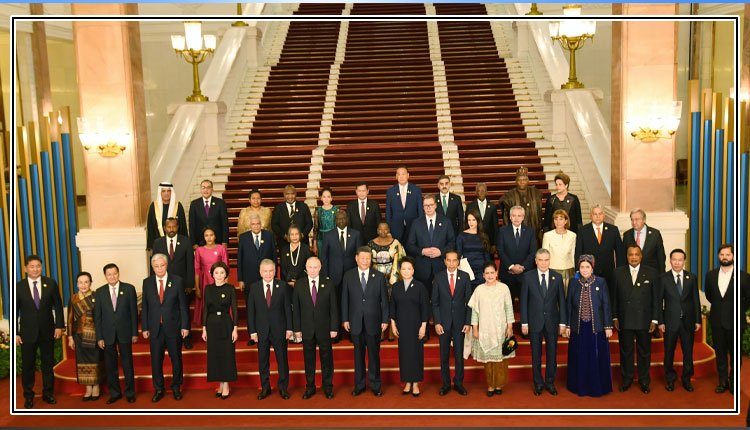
(451, 291)
(164, 320)
(364, 213)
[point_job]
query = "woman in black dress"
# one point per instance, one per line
(564, 200)
(220, 329)
(410, 311)
(293, 257)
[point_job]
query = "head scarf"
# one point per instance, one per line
(159, 204)
(587, 258)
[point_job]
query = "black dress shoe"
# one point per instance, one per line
(687, 386)
(377, 393)
(625, 387)
(490, 393)
(329, 394)
(645, 389)
(49, 399)
(187, 343)
(538, 390)
(264, 393)
(177, 394)
(132, 399)
(498, 391)
(407, 392)
(157, 396)
(444, 390)
(113, 399)
(551, 389)
(721, 388)
(460, 390)
(28, 403)
(357, 391)
(223, 397)
(670, 386)
(416, 394)
(308, 393)
(251, 342)
(86, 398)
(218, 394)
(95, 398)
(284, 394)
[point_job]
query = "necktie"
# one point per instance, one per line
(257, 241)
(291, 210)
(161, 290)
(114, 298)
(445, 205)
(544, 283)
(171, 249)
(314, 293)
(362, 211)
(37, 299)
(599, 235)
(638, 238)
(679, 285)
(453, 285)
(403, 197)
(341, 240)
(482, 208)
(206, 207)
(363, 280)
(268, 295)
(518, 236)
(431, 229)
(633, 275)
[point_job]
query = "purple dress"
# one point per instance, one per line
(204, 259)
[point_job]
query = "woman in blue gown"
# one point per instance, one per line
(474, 245)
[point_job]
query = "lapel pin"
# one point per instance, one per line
(373, 275)
(649, 232)
(44, 285)
(277, 285)
(398, 194)
(262, 241)
(440, 224)
(567, 201)
(458, 278)
(178, 243)
(169, 284)
(646, 281)
(553, 278)
(638, 284)
(216, 253)
(122, 293)
(605, 227)
(597, 288)
(287, 254)
(213, 203)
(93, 300)
(527, 204)
(687, 277)
(408, 192)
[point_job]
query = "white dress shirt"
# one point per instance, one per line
(338, 233)
(724, 279)
(38, 286)
(317, 283)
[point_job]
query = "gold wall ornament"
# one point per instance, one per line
(194, 47)
(572, 34)
(653, 121)
(107, 144)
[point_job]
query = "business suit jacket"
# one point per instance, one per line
(652, 250)
(635, 306)
(38, 323)
(490, 220)
(280, 221)
(722, 308)
(398, 217)
(318, 320)
(217, 219)
(542, 310)
(602, 316)
(121, 322)
(273, 321)
(182, 264)
(451, 311)
(608, 255)
(510, 253)
(364, 310)
(455, 211)
(173, 311)
(249, 258)
(443, 238)
(744, 299)
(675, 305)
(368, 230)
(335, 260)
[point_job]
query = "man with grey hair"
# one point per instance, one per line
(516, 245)
(603, 241)
(254, 245)
(543, 314)
(648, 239)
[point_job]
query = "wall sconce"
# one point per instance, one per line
(571, 34)
(194, 47)
(656, 121)
(106, 144)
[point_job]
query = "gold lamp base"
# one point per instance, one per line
(571, 85)
(196, 98)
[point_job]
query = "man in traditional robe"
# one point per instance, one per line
(164, 206)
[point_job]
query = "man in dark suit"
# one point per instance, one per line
(364, 214)
(291, 212)
(403, 204)
(603, 241)
(181, 260)
(449, 204)
(635, 313)
(487, 211)
(516, 245)
(116, 321)
(208, 211)
(338, 252)
(429, 238)
(269, 315)
(543, 315)
(254, 246)
(316, 321)
(680, 318)
(719, 288)
(451, 292)
(647, 238)
(165, 322)
(37, 297)
(364, 312)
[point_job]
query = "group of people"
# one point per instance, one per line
(429, 266)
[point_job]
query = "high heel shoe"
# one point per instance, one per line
(416, 394)
(94, 398)
(407, 392)
(218, 394)
(86, 398)
(223, 397)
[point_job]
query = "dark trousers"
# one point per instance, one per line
(264, 358)
(370, 342)
(722, 339)
(642, 339)
(46, 345)
(113, 376)
(686, 336)
(158, 345)
(550, 339)
(457, 336)
(512, 281)
(326, 362)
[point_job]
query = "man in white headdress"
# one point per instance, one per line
(164, 206)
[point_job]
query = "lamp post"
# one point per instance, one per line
(534, 10)
(194, 47)
(239, 12)
(572, 34)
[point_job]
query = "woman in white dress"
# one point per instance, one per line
(491, 323)
(561, 244)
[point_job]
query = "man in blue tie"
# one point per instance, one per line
(430, 237)
(516, 245)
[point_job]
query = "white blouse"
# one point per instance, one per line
(561, 247)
